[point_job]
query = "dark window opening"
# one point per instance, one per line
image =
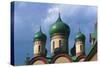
(53, 45)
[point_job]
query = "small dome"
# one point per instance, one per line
(80, 36)
(59, 27)
(40, 36)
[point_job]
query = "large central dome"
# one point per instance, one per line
(59, 27)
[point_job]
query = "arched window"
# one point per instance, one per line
(39, 48)
(60, 43)
(81, 47)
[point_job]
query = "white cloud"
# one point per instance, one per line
(52, 15)
(53, 12)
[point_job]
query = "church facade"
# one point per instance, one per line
(59, 37)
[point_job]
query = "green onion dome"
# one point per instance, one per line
(59, 27)
(80, 36)
(40, 36)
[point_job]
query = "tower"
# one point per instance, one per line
(79, 44)
(39, 44)
(27, 59)
(59, 34)
(93, 36)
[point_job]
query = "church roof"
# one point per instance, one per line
(40, 36)
(59, 27)
(92, 52)
(80, 36)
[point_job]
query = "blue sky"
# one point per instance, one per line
(30, 16)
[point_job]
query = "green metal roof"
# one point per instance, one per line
(74, 58)
(40, 36)
(92, 52)
(59, 27)
(93, 35)
(80, 36)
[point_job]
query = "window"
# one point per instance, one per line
(39, 48)
(81, 47)
(60, 43)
